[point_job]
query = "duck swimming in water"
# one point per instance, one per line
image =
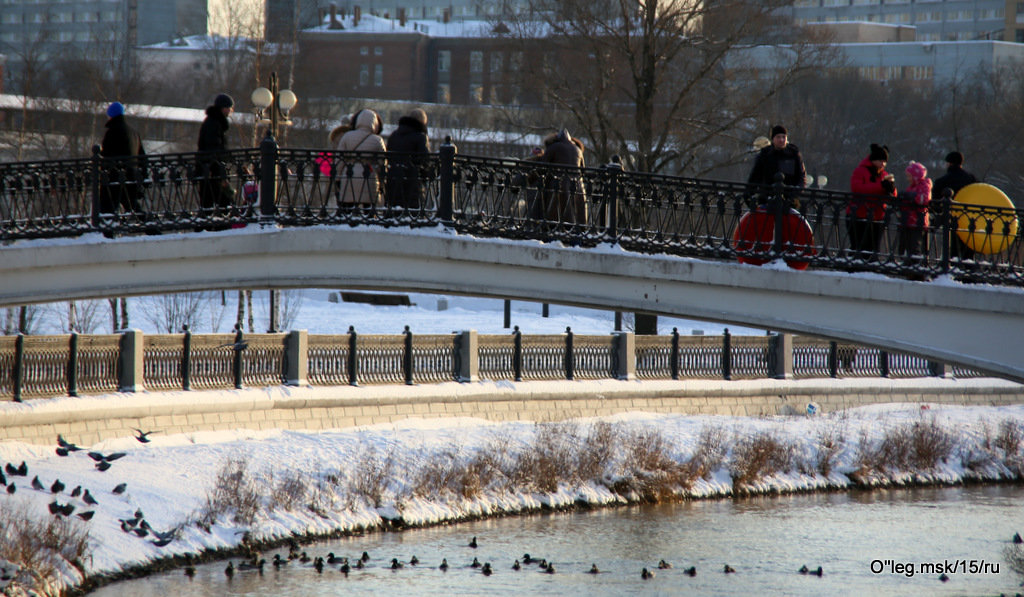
(646, 574)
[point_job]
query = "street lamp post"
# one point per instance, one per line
(272, 108)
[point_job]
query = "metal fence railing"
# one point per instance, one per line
(74, 364)
(500, 197)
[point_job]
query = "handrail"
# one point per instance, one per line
(508, 198)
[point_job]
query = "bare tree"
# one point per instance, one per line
(171, 312)
(659, 81)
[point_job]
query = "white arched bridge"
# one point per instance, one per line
(510, 229)
(976, 325)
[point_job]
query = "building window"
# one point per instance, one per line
(476, 93)
(364, 50)
(378, 51)
(378, 75)
(496, 59)
(364, 75)
(476, 62)
(444, 93)
(444, 61)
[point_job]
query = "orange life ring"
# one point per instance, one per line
(756, 233)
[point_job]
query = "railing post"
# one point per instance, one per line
(936, 368)
(268, 180)
(469, 356)
(726, 354)
(778, 208)
(508, 314)
(353, 360)
(446, 197)
(186, 359)
(946, 202)
(883, 363)
(131, 361)
(614, 170)
(781, 353)
(569, 357)
(833, 359)
(296, 356)
(73, 364)
(517, 354)
(19, 365)
(237, 367)
(407, 357)
(94, 167)
(674, 365)
(625, 355)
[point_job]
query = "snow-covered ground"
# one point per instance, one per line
(313, 310)
(170, 481)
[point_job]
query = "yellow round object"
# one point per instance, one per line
(992, 214)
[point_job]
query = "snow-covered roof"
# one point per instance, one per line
(462, 28)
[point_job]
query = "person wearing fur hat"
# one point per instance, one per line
(914, 202)
(779, 156)
(405, 171)
(362, 188)
(215, 191)
(125, 164)
(955, 179)
(565, 199)
(865, 214)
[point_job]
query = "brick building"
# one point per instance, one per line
(465, 63)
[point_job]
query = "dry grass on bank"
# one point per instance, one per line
(42, 546)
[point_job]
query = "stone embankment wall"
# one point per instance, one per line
(87, 420)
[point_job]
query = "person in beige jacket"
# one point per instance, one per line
(362, 186)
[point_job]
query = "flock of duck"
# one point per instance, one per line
(254, 562)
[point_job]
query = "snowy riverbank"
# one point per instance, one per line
(192, 493)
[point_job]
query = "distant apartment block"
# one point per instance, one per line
(935, 20)
(47, 30)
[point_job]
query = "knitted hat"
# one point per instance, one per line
(223, 100)
(778, 130)
(115, 109)
(956, 158)
(418, 115)
(917, 171)
(879, 152)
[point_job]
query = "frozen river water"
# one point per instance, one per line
(884, 542)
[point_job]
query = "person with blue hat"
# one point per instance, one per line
(215, 190)
(124, 164)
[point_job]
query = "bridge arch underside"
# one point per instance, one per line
(977, 326)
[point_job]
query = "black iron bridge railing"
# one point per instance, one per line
(510, 198)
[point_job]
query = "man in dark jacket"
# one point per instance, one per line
(406, 172)
(214, 189)
(954, 179)
(779, 156)
(123, 181)
(565, 198)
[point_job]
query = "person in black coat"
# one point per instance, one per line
(124, 166)
(954, 179)
(215, 191)
(779, 156)
(407, 171)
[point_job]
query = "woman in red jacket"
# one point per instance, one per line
(865, 215)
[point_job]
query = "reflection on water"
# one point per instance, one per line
(766, 539)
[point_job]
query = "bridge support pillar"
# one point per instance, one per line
(780, 356)
(468, 345)
(625, 355)
(296, 354)
(131, 360)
